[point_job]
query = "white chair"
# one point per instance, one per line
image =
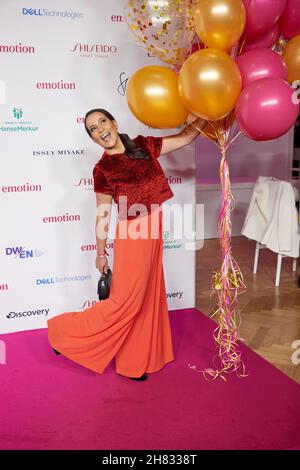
(258, 247)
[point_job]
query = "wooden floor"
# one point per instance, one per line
(270, 315)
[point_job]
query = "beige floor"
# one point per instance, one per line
(270, 315)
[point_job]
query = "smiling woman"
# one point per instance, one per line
(132, 325)
(103, 129)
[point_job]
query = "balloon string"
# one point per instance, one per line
(228, 282)
(206, 134)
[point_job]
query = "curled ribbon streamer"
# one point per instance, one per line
(228, 282)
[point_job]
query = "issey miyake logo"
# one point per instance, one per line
(22, 252)
(28, 313)
(58, 153)
(38, 12)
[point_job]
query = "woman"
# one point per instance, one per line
(132, 325)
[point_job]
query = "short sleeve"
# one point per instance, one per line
(152, 144)
(101, 183)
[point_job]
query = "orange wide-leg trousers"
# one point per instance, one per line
(132, 325)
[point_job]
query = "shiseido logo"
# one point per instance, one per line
(99, 51)
(58, 153)
(86, 183)
(17, 49)
(28, 313)
(88, 304)
(21, 188)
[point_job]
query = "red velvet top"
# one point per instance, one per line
(142, 181)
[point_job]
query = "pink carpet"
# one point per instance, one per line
(49, 402)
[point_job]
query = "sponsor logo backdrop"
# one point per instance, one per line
(59, 59)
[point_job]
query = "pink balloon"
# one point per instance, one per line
(265, 109)
(261, 63)
(269, 39)
(262, 15)
(290, 20)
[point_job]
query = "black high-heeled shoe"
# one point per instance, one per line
(141, 379)
(56, 352)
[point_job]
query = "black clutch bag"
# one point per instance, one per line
(104, 285)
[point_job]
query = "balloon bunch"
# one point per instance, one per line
(234, 62)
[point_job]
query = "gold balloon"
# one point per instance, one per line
(153, 97)
(219, 23)
(163, 28)
(291, 57)
(210, 84)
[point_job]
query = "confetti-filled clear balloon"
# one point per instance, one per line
(163, 28)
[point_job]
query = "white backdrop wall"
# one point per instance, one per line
(59, 59)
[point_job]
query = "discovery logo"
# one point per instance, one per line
(38, 12)
(28, 313)
(60, 280)
(22, 253)
(174, 295)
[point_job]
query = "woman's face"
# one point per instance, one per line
(103, 131)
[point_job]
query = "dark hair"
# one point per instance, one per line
(131, 149)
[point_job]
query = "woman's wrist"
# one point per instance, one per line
(102, 254)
